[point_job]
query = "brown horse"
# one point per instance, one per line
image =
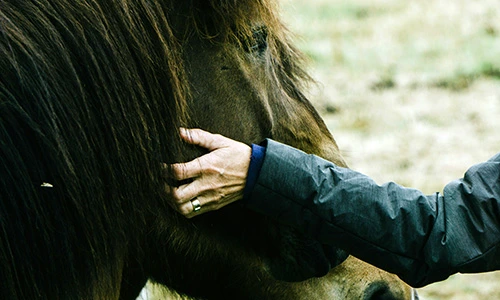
(92, 93)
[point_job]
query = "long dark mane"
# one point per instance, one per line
(91, 97)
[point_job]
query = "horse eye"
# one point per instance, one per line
(257, 43)
(259, 36)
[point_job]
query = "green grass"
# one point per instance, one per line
(403, 38)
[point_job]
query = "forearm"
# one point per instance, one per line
(420, 238)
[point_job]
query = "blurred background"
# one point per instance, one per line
(410, 91)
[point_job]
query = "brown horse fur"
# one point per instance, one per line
(92, 93)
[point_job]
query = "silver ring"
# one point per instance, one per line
(196, 205)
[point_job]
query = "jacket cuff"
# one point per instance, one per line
(256, 161)
(276, 191)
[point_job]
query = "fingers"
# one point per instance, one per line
(186, 192)
(204, 138)
(183, 195)
(186, 206)
(178, 203)
(210, 195)
(183, 171)
(214, 179)
(188, 209)
(206, 204)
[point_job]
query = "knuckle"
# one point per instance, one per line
(176, 197)
(213, 169)
(177, 171)
(184, 210)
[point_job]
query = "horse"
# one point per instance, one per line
(92, 94)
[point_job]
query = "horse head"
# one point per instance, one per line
(247, 82)
(92, 94)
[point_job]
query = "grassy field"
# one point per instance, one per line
(411, 92)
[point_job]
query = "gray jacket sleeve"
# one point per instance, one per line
(421, 238)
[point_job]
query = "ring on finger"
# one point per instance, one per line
(196, 204)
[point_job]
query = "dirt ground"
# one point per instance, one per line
(411, 92)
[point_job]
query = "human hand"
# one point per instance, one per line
(218, 178)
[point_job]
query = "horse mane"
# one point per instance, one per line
(92, 94)
(91, 98)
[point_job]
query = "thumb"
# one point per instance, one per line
(204, 138)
